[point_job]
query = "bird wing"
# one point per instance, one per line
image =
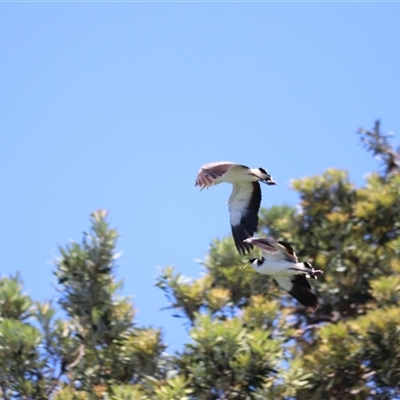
(244, 204)
(299, 288)
(211, 171)
(275, 249)
(287, 251)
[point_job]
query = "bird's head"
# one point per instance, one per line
(266, 177)
(254, 262)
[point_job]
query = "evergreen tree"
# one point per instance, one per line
(248, 339)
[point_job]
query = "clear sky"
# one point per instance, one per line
(117, 105)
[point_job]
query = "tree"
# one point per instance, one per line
(248, 338)
(96, 348)
(348, 348)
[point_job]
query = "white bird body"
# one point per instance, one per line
(281, 268)
(245, 199)
(235, 173)
(280, 261)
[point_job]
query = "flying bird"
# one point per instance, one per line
(245, 199)
(280, 261)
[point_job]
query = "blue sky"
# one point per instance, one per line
(117, 105)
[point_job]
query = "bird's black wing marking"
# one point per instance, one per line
(301, 291)
(250, 218)
(287, 246)
(238, 236)
(264, 244)
(289, 255)
(248, 221)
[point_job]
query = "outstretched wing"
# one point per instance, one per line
(299, 288)
(208, 173)
(274, 249)
(244, 204)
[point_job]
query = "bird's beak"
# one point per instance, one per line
(269, 181)
(246, 266)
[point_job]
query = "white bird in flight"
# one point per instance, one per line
(245, 199)
(280, 261)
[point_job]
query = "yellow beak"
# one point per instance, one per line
(246, 266)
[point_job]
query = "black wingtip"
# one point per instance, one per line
(301, 291)
(287, 246)
(239, 235)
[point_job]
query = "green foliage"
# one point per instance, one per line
(13, 304)
(92, 350)
(378, 144)
(340, 351)
(227, 360)
(248, 339)
(21, 363)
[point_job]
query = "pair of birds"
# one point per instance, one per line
(278, 258)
